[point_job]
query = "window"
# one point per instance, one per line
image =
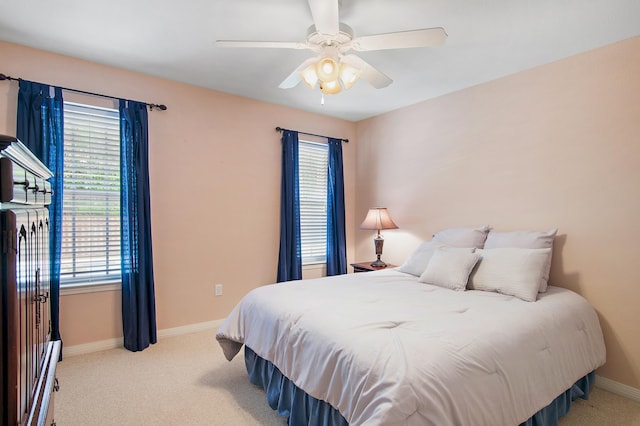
(313, 164)
(91, 199)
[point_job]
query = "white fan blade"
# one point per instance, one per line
(374, 77)
(294, 78)
(267, 44)
(404, 39)
(325, 16)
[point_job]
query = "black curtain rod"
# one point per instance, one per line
(280, 129)
(151, 106)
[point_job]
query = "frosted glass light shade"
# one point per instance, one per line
(327, 69)
(348, 75)
(309, 76)
(332, 75)
(330, 87)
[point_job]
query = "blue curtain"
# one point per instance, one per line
(290, 256)
(138, 294)
(336, 236)
(40, 128)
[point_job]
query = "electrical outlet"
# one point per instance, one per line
(218, 289)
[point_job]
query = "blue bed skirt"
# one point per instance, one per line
(302, 409)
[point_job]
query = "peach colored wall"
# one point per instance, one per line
(215, 188)
(555, 146)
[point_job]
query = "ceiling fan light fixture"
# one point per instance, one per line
(330, 87)
(309, 76)
(327, 69)
(331, 40)
(348, 75)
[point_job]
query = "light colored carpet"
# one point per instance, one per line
(181, 380)
(185, 380)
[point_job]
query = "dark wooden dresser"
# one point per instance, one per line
(28, 357)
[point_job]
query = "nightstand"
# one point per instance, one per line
(366, 267)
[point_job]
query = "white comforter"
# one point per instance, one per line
(384, 349)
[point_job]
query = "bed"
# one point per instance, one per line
(385, 348)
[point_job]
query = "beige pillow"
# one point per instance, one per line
(525, 239)
(462, 237)
(419, 259)
(512, 271)
(449, 269)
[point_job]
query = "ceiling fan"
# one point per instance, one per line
(333, 67)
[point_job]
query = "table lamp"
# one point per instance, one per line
(378, 218)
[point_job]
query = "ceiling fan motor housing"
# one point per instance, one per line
(316, 38)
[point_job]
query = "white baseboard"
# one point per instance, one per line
(88, 348)
(618, 388)
(104, 345)
(191, 328)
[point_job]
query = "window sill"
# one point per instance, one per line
(93, 287)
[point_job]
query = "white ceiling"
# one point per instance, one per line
(175, 39)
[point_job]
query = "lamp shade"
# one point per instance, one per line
(327, 69)
(330, 87)
(378, 218)
(348, 75)
(309, 76)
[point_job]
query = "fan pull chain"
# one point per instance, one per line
(322, 98)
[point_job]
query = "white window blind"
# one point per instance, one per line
(313, 163)
(91, 199)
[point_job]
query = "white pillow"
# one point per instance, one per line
(462, 237)
(450, 269)
(419, 259)
(525, 239)
(513, 271)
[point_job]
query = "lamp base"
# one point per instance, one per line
(378, 242)
(378, 263)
